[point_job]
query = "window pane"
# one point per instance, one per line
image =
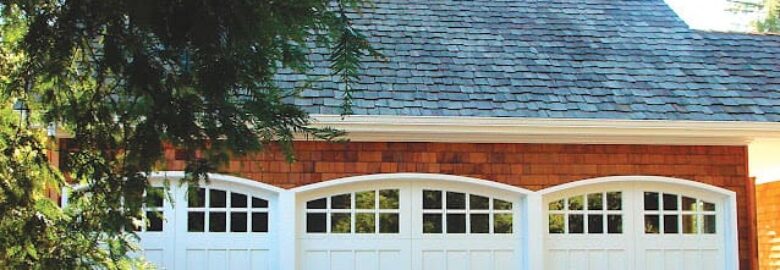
(576, 203)
(614, 200)
(217, 198)
(196, 198)
(238, 222)
(595, 224)
(388, 199)
(670, 202)
(260, 222)
(343, 201)
(688, 204)
(431, 223)
(340, 223)
(709, 206)
(314, 204)
(480, 223)
(478, 202)
(709, 223)
(556, 223)
(154, 197)
(155, 221)
(431, 199)
(315, 222)
(195, 221)
(595, 201)
(388, 223)
(456, 200)
(365, 200)
(576, 224)
(671, 224)
(651, 201)
(260, 203)
(501, 205)
(365, 223)
(651, 223)
(237, 200)
(217, 222)
(689, 224)
(502, 223)
(456, 223)
(556, 205)
(614, 224)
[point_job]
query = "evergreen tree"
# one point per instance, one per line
(126, 77)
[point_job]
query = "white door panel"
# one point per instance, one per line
(411, 247)
(176, 247)
(470, 250)
(646, 242)
(352, 250)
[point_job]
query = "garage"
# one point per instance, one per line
(410, 224)
(636, 225)
(429, 221)
(226, 224)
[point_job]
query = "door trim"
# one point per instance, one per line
(731, 234)
(638, 178)
(222, 178)
(411, 177)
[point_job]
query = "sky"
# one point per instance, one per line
(710, 15)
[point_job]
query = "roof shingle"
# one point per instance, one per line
(610, 59)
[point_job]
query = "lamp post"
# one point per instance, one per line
(21, 108)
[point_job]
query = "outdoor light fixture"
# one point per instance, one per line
(21, 108)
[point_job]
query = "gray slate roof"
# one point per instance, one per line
(605, 59)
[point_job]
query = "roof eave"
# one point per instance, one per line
(547, 130)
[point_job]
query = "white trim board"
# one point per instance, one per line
(639, 178)
(546, 130)
(411, 177)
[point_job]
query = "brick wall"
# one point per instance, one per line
(531, 166)
(768, 222)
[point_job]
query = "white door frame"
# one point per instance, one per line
(232, 183)
(530, 203)
(731, 235)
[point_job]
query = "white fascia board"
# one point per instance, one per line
(546, 130)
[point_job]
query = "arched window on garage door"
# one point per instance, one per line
(227, 223)
(410, 221)
(214, 210)
(362, 212)
(638, 223)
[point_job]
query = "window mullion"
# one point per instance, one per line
(467, 200)
(328, 213)
(444, 212)
(491, 216)
(604, 216)
(228, 204)
(206, 209)
(566, 216)
(352, 211)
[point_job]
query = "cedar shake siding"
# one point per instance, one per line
(768, 221)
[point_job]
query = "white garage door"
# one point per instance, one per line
(409, 225)
(632, 225)
(223, 225)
